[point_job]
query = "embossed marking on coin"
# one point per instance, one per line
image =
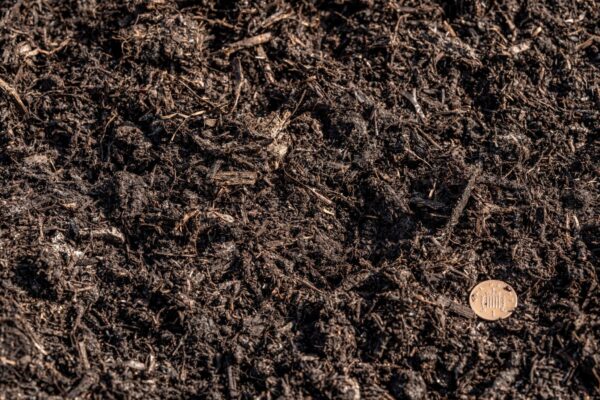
(492, 300)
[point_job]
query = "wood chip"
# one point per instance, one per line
(111, 234)
(456, 308)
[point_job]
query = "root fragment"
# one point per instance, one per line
(10, 91)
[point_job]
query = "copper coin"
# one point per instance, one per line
(493, 300)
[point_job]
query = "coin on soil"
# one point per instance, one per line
(492, 300)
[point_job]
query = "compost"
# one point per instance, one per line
(293, 199)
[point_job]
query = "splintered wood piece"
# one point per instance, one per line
(238, 78)
(262, 56)
(460, 206)
(248, 42)
(456, 308)
(232, 178)
(493, 300)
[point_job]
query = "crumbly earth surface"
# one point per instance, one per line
(274, 199)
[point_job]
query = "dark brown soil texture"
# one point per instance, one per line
(285, 200)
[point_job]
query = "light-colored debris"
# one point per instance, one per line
(279, 147)
(26, 50)
(110, 234)
(277, 17)
(519, 48)
(6, 361)
(136, 365)
(261, 55)
(412, 97)
(58, 246)
(225, 217)
(320, 196)
(587, 43)
(279, 123)
(248, 42)
(10, 91)
(349, 387)
(37, 159)
(233, 178)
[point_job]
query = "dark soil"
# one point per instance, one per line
(268, 199)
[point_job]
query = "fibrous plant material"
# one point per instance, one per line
(269, 199)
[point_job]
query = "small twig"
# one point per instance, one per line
(261, 55)
(238, 77)
(430, 139)
(218, 22)
(460, 206)
(248, 42)
(590, 41)
(298, 104)
(232, 383)
(182, 115)
(415, 155)
(456, 308)
(13, 93)
(447, 304)
(23, 325)
(35, 52)
(519, 48)
(7, 361)
(185, 119)
(182, 255)
(449, 29)
(311, 190)
(277, 17)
